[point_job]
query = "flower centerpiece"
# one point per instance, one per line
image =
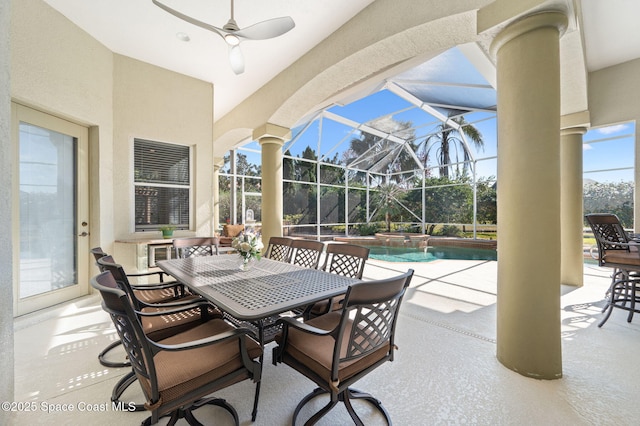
(249, 246)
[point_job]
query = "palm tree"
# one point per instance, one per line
(448, 138)
(387, 195)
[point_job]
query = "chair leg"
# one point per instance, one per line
(187, 413)
(112, 364)
(316, 392)
(254, 413)
(120, 387)
(356, 394)
(606, 317)
(345, 396)
(632, 299)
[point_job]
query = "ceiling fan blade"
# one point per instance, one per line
(189, 19)
(267, 29)
(236, 59)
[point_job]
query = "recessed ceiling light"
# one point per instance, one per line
(183, 36)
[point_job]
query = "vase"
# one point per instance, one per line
(245, 263)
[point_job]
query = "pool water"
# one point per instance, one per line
(411, 254)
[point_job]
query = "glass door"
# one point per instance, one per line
(53, 210)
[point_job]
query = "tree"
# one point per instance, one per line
(380, 155)
(448, 139)
(610, 197)
(487, 209)
(386, 197)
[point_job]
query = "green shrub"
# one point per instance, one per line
(449, 231)
(368, 228)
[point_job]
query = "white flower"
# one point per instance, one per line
(245, 247)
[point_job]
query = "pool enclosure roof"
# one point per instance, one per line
(401, 122)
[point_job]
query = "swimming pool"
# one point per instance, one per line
(410, 254)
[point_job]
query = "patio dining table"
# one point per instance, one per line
(258, 295)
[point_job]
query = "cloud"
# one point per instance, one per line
(586, 147)
(612, 129)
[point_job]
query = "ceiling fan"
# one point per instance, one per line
(233, 34)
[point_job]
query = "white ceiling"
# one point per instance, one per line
(139, 29)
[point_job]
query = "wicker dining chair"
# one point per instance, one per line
(306, 253)
(279, 248)
(196, 246)
(178, 374)
(617, 251)
(337, 349)
(347, 260)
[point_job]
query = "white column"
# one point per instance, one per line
(218, 162)
(571, 206)
(528, 307)
(271, 138)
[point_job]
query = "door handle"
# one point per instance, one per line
(83, 234)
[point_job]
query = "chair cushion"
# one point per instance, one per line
(162, 326)
(232, 230)
(316, 352)
(181, 372)
(623, 257)
(322, 307)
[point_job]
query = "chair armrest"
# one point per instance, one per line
(156, 286)
(160, 274)
(175, 308)
(173, 303)
(218, 338)
(290, 322)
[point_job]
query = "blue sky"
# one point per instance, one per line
(605, 148)
(451, 79)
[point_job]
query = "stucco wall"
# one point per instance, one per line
(61, 70)
(156, 104)
(6, 286)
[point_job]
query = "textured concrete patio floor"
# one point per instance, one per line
(445, 371)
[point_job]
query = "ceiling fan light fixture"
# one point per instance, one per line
(232, 39)
(233, 35)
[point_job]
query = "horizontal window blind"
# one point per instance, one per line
(162, 181)
(157, 162)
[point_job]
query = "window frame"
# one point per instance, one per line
(135, 184)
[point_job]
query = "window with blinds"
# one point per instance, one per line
(162, 181)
